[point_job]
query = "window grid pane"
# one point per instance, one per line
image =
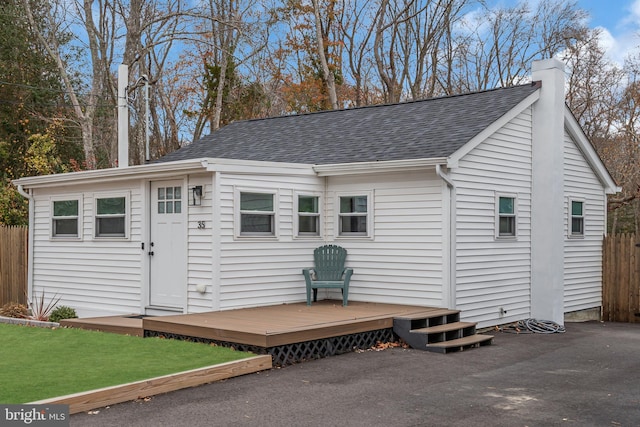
(507, 226)
(256, 202)
(65, 227)
(353, 225)
(352, 204)
(65, 208)
(169, 200)
(576, 208)
(111, 206)
(506, 205)
(110, 227)
(308, 225)
(308, 204)
(255, 223)
(577, 226)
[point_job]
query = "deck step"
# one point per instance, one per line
(460, 343)
(444, 328)
(427, 314)
(438, 330)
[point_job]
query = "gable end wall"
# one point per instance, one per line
(494, 274)
(583, 256)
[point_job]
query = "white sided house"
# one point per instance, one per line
(493, 203)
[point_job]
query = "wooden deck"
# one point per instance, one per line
(261, 326)
(292, 333)
(284, 324)
(125, 324)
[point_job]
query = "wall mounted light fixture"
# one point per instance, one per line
(195, 195)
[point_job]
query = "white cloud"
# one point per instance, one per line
(634, 17)
(624, 37)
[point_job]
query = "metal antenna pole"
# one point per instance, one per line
(146, 116)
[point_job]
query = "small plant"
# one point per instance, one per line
(40, 311)
(62, 312)
(15, 310)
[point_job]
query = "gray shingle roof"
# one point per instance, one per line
(431, 128)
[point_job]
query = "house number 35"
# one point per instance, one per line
(201, 225)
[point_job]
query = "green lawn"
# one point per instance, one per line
(39, 363)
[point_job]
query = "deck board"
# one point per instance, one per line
(283, 324)
(265, 327)
(125, 325)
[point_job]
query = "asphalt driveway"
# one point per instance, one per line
(589, 376)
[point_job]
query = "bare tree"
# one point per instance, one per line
(48, 31)
(356, 27)
(327, 75)
(496, 48)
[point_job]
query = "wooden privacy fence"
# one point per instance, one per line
(13, 264)
(621, 279)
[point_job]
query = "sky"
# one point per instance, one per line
(620, 24)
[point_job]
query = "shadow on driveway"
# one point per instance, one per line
(589, 376)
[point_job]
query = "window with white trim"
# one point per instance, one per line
(169, 200)
(506, 216)
(111, 216)
(308, 209)
(65, 218)
(576, 218)
(257, 214)
(354, 215)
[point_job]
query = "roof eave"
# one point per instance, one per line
(359, 168)
(113, 174)
(165, 170)
(597, 165)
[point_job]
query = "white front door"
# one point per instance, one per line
(167, 246)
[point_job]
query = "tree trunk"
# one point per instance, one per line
(327, 75)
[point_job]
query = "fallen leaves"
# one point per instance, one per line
(380, 346)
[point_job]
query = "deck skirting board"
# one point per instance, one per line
(288, 354)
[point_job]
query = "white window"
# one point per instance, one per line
(308, 207)
(506, 216)
(257, 214)
(576, 218)
(354, 216)
(111, 216)
(169, 200)
(65, 218)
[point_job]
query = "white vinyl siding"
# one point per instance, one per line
(94, 276)
(200, 248)
(583, 256)
(255, 270)
(403, 263)
(494, 273)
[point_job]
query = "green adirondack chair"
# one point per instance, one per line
(329, 272)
